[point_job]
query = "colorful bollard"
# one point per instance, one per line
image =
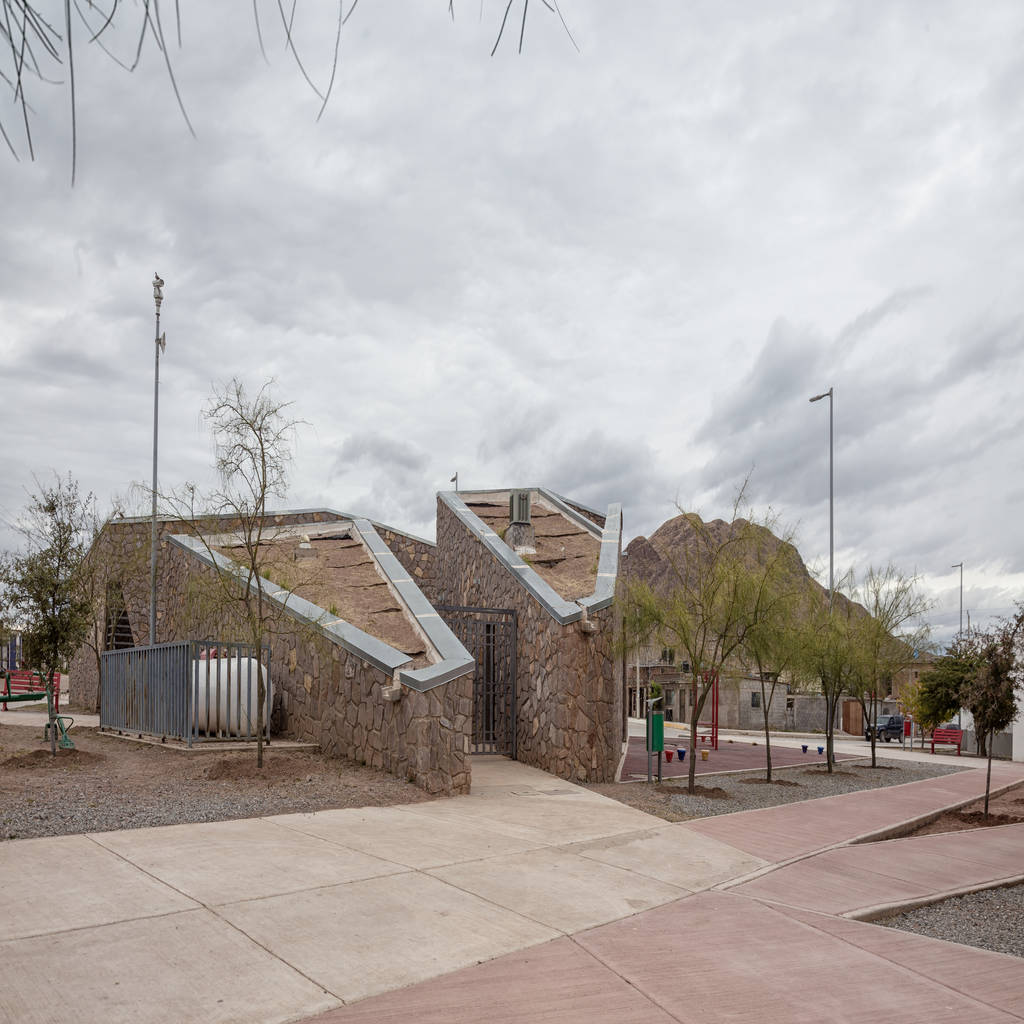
(668, 756)
(681, 753)
(803, 747)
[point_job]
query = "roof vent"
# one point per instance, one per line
(520, 534)
(519, 508)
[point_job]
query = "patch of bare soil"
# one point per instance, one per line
(765, 782)
(108, 783)
(43, 761)
(711, 792)
(1005, 809)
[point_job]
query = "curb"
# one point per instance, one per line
(884, 910)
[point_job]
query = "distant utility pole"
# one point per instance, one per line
(455, 480)
(161, 343)
(831, 504)
(960, 565)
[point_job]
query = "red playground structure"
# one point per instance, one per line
(707, 732)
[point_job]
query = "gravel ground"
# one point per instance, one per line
(993, 919)
(725, 794)
(108, 783)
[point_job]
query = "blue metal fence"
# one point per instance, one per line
(190, 690)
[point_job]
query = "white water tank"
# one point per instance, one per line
(225, 696)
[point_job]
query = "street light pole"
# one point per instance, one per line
(960, 565)
(831, 503)
(158, 298)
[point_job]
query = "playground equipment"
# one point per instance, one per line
(23, 685)
(710, 733)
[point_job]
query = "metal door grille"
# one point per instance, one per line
(489, 634)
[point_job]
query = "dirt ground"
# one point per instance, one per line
(108, 783)
(1007, 809)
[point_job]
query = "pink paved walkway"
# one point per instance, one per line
(781, 833)
(854, 879)
(767, 950)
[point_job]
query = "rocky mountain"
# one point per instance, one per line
(661, 560)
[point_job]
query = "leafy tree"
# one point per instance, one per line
(991, 694)
(42, 585)
(706, 607)
(884, 640)
(773, 605)
(942, 687)
(827, 653)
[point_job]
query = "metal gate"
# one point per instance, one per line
(489, 634)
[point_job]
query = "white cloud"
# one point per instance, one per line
(620, 272)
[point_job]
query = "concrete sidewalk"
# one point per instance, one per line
(529, 900)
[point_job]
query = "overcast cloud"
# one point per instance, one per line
(620, 273)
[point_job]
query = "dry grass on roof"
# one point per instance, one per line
(341, 577)
(567, 555)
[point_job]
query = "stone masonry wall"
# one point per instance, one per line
(418, 557)
(569, 686)
(121, 556)
(323, 693)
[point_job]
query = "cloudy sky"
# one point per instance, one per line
(619, 271)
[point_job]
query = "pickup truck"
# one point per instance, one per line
(887, 727)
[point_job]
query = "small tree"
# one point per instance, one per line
(43, 584)
(991, 693)
(705, 608)
(826, 653)
(941, 690)
(885, 639)
(772, 608)
(253, 440)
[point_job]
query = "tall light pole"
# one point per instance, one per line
(960, 565)
(831, 503)
(161, 342)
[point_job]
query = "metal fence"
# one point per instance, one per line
(191, 690)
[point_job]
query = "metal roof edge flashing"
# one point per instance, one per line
(561, 610)
(607, 563)
(134, 520)
(455, 660)
(569, 512)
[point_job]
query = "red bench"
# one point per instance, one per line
(22, 683)
(952, 736)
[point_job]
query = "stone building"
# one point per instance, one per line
(548, 569)
(396, 651)
(359, 662)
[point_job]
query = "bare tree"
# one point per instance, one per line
(39, 43)
(253, 438)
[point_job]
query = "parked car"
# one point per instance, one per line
(887, 727)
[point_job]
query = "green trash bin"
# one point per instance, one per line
(656, 739)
